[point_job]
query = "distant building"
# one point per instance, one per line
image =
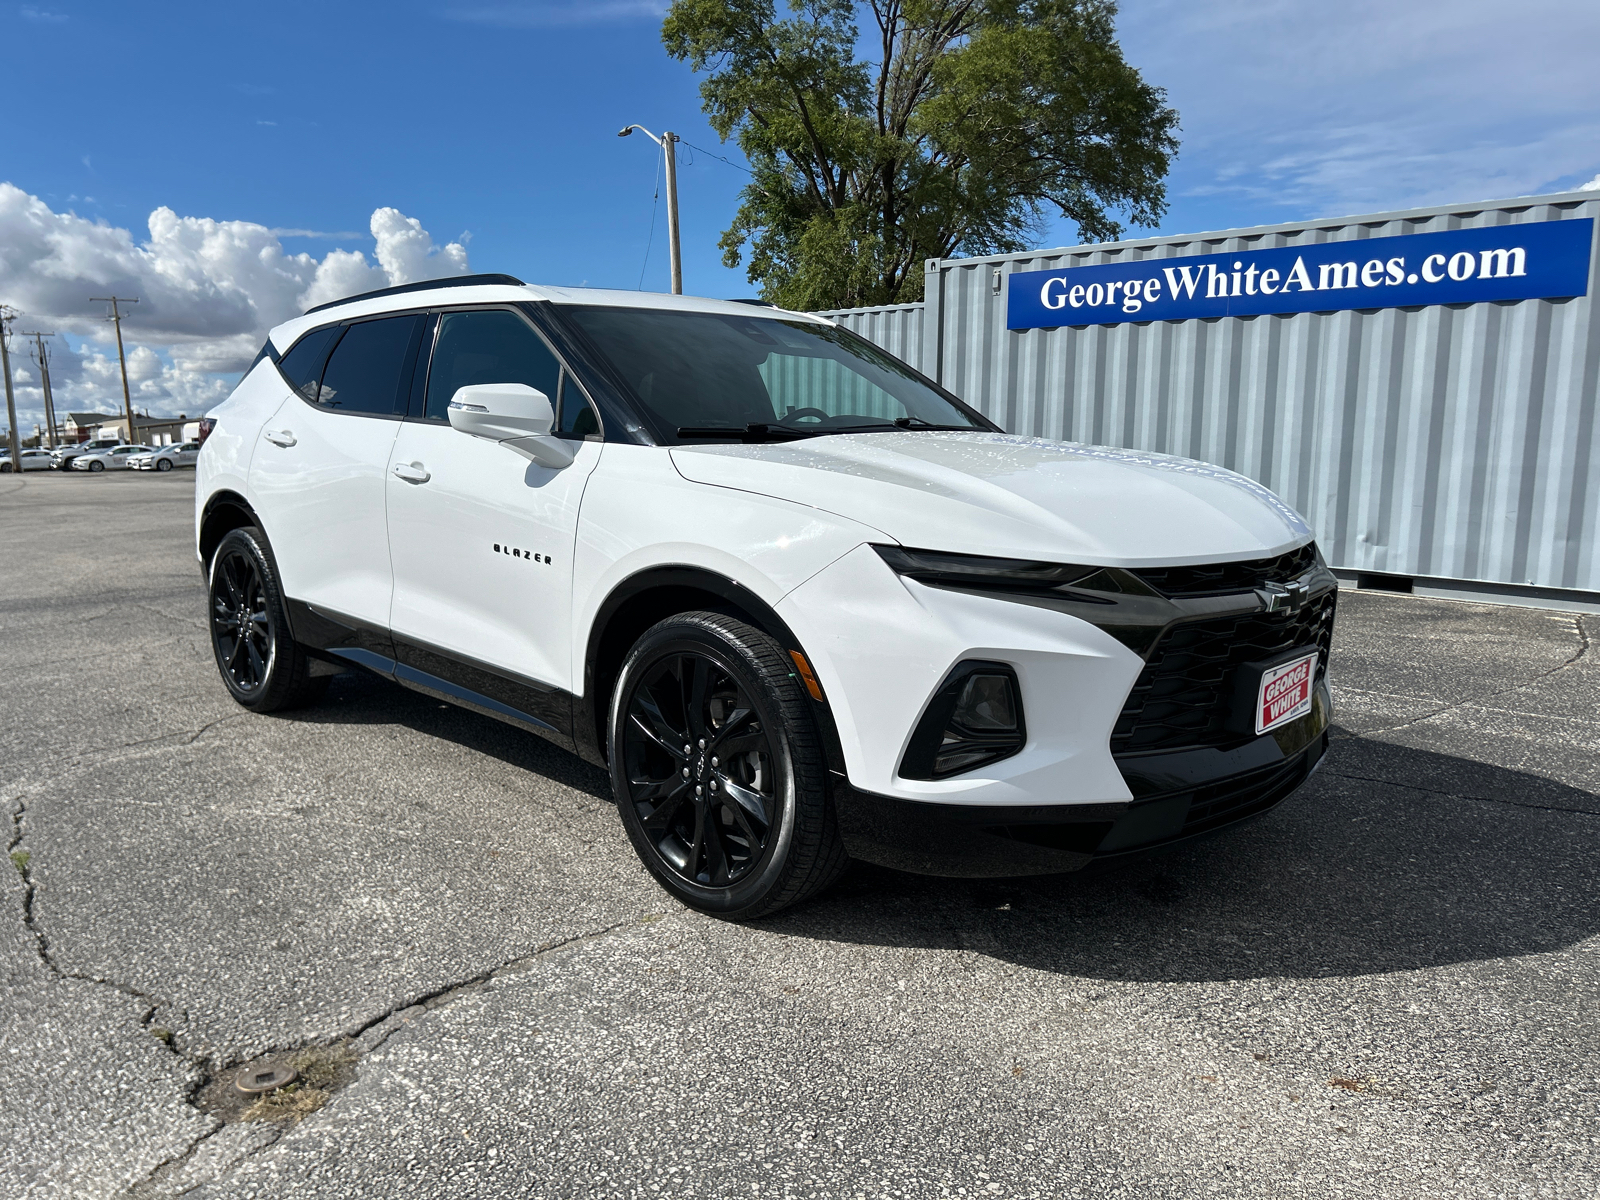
(149, 431)
(81, 426)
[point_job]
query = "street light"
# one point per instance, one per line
(666, 141)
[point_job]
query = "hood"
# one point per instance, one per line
(1015, 497)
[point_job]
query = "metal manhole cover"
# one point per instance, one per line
(264, 1079)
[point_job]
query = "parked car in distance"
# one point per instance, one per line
(164, 458)
(64, 455)
(32, 460)
(114, 459)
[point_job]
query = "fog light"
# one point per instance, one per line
(974, 719)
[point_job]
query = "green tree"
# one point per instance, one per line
(971, 122)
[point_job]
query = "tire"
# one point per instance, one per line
(97, 466)
(265, 670)
(701, 681)
(5, 468)
(163, 464)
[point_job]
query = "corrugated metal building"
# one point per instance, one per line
(1452, 445)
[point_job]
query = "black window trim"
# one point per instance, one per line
(561, 364)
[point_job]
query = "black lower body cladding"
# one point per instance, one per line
(1178, 797)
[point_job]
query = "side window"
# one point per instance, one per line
(577, 416)
(487, 347)
(302, 366)
(364, 373)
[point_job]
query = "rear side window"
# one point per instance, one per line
(488, 347)
(364, 373)
(302, 366)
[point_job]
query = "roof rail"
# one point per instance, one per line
(424, 286)
(753, 300)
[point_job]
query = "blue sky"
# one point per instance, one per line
(493, 125)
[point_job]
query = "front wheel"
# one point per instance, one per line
(97, 466)
(163, 464)
(262, 666)
(718, 768)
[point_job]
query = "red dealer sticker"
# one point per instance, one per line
(1285, 693)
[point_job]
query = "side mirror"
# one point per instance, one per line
(517, 416)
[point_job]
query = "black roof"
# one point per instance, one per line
(424, 286)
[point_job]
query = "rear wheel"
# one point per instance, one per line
(262, 666)
(718, 768)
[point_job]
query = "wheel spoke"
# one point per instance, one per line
(733, 747)
(658, 739)
(718, 867)
(742, 820)
(698, 683)
(752, 802)
(691, 866)
(229, 576)
(665, 811)
(738, 719)
(258, 667)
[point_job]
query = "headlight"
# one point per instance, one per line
(979, 571)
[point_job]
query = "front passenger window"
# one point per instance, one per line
(494, 346)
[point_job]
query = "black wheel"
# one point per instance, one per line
(163, 464)
(718, 768)
(262, 666)
(97, 466)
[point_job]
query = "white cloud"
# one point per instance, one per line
(1592, 186)
(1295, 109)
(208, 291)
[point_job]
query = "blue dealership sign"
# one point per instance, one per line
(1534, 260)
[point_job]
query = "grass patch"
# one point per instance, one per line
(19, 860)
(322, 1069)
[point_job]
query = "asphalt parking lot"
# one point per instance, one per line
(1390, 986)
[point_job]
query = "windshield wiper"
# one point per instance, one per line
(916, 423)
(747, 433)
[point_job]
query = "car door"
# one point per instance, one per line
(317, 479)
(482, 539)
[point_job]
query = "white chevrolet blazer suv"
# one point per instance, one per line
(805, 604)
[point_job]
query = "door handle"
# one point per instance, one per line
(412, 472)
(279, 437)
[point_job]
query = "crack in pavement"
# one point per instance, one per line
(365, 1038)
(1583, 649)
(88, 760)
(1413, 787)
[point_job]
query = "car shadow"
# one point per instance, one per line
(1389, 859)
(359, 698)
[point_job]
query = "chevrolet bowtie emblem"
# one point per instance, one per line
(1283, 597)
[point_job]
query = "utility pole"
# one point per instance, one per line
(41, 355)
(668, 142)
(7, 316)
(116, 319)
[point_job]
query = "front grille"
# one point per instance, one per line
(1218, 579)
(1183, 696)
(1235, 799)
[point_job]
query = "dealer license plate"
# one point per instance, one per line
(1285, 693)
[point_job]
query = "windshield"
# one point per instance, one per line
(706, 375)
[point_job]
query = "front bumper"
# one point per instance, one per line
(1179, 798)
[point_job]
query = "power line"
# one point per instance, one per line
(718, 157)
(655, 203)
